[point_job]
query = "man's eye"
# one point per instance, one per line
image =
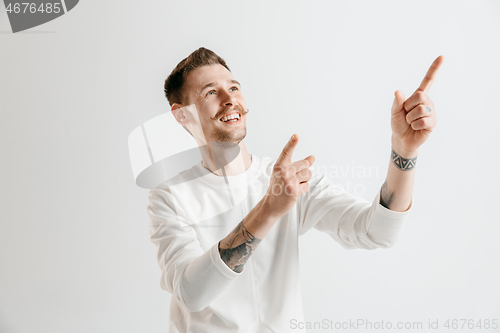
(234, 88)
(211, 92)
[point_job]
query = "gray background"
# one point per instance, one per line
(74, 249)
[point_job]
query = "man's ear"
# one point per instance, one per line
(178, 113)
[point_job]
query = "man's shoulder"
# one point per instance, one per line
(266, 161)
(182, 177)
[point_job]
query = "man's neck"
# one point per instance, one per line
(236, 167)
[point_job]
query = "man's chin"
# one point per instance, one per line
(229, 136)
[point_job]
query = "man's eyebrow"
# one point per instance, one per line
(208, 85)
(212, 84)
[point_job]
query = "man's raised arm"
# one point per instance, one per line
(412, 121)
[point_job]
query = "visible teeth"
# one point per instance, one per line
(233, 116)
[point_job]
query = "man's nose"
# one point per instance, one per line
(228, 99)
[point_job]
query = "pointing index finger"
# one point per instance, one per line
(431, 74)
(286, 155)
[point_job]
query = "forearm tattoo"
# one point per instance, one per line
(404, 164)
(386, 197)
(237, 247)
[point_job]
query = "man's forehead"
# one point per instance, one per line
(202, 76)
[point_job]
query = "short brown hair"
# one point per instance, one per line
(175, 81)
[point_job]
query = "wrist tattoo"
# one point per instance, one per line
(404, 164)
(237, 247)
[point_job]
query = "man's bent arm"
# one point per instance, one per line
(196, 277)
(288, 182)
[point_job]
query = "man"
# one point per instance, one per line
(232, 265)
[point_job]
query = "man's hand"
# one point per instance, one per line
(413, 120)
(288, 180)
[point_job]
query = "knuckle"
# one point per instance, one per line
(408, 119)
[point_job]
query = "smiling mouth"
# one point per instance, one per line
(234, 117)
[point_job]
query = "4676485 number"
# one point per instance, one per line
(471, 324)
(27, 7)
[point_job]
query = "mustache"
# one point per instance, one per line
(230, 109)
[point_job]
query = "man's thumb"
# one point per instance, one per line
(399, 99)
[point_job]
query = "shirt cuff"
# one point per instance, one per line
(205, 279)
(391, 213)
(387, 225)
(221, 265)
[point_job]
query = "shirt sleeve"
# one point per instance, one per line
(350, 220)
(193, 276)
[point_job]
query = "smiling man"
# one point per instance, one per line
(226, 235)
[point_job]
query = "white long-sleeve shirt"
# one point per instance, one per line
(190, 213)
